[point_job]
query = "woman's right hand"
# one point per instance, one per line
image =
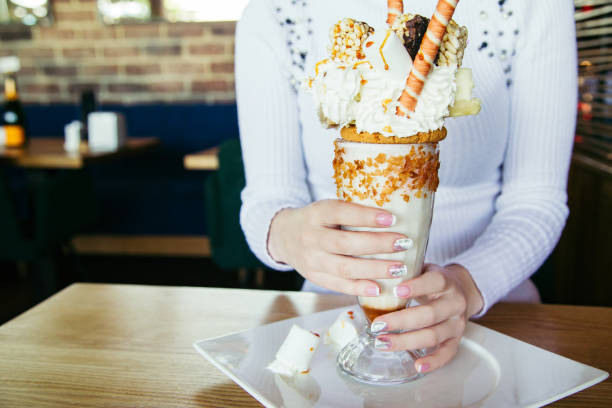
(311, 241)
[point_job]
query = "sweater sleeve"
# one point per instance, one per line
(270, 133)
(531, 210)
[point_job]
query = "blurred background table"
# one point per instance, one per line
(204, 160)
(49, 153)
(57, 202)
(123, 346)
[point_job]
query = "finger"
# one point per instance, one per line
(440, 357)
(336, 212)
(430, 282)
(359, 243)
(347, 286)
(417, 317)
(348, 267)
(424, 338)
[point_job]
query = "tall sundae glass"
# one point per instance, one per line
(401, 178)
(389, 87)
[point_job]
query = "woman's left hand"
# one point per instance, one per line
(448, 297)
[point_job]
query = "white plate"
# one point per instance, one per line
(490, 370)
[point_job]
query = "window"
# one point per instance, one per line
(117, 11)
(28, 12)
(203, 10)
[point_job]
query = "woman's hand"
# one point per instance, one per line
(448, 297)
(311, 241)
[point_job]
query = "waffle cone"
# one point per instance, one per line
(350, 133)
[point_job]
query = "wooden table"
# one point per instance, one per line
(204, 160)
(49, 153)
(127, 346)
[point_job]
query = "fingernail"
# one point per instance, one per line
(401, 291)
(385, 219)
(372, 291)
(422, 368)
(377, 327)
(403, 244)
(398, 270)
(382, 344)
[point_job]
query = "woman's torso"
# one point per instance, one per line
(473, 153)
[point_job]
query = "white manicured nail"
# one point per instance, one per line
(381, 344)
(398, 271)
(403, 244)
(378, 327)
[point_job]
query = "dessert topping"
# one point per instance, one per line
(348, 37)
(411, 28)
(416, 171)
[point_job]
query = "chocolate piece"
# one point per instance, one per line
(414, 30)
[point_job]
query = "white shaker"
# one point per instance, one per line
(72, 136)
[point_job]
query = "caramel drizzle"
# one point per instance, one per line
(325, 61)
(355, 65)
(381, 50)
(385, 104)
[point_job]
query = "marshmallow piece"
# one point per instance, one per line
(395, 55)
(298, 391)
(343, 331)
(296, 352)
(465, 84)
(464, 104)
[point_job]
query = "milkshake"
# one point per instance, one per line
(388, 88)
(402, 179)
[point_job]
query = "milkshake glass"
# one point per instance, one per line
(402, 179)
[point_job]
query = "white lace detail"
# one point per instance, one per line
(501, 36)
(296, 22)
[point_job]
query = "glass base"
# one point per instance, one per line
(363, 362)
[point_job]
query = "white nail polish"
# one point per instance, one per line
(393, 220)
(398, 271)
(378, 327)
(381, 345)
(403, 244)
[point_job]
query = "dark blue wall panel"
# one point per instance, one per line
(151, 193)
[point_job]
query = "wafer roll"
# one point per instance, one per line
(395, 8)
(425, 57)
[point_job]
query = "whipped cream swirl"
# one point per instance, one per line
(364, 90)
(366, 97)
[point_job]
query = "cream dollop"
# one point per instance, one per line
(366, 97)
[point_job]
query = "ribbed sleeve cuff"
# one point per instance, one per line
(492, 285)
(256, 223)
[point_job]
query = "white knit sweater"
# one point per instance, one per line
(501, 204)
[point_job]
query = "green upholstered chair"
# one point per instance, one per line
(222, 193)
(63, 204)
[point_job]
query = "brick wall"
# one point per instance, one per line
(127, 64)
